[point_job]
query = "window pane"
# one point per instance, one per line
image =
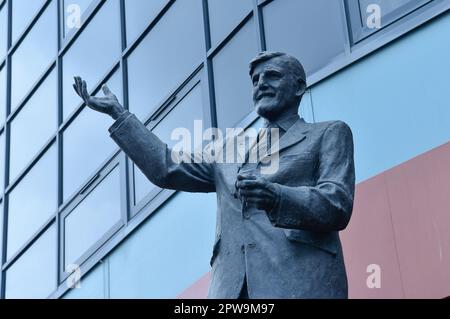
(93, 54)
(87, 143)
(32, 202)
(2, 95)
(3, 31)
(91, 219)
(29, 135)
(71, 10)
(22, 13)
(312, 31)
(389, 8)
(231, 78)
(169, 53)
(33, 275)
(139, 14)
(183, 115)
(34, 55)
(225, 15)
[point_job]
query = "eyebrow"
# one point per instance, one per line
(273, 70)
(265, 71)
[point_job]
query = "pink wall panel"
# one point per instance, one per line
(369, 239)
(199, 290)
(419, 196)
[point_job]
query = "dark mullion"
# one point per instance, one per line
(125, 190)
(7, 138)
(3, 252)
(6, 154)
(210, 102)
(61, 21)
(259, 20)
(207, 25)
(59, 143)
(263, 2)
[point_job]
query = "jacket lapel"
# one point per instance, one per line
(294, 135)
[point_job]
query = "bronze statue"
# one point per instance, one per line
(276, 234)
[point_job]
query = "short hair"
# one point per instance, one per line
(293, 63)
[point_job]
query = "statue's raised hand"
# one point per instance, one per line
(108, 104)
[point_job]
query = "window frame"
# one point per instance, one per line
(96, 181)
(359, 31)
(154, 120)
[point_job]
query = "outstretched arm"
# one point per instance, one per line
(145, 149)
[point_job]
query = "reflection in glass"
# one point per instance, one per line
(231, 79)
(167, 55)
(87, 143)
(91, 219)
(34, 125)
(3, 31)
(33, 275)
(139, 14)
(73, 13)
(34, 55)
(2, 95)
(32, 202)
(182, 116)
(22, 13)
(225, 15)
(93, 54)
(309, 30)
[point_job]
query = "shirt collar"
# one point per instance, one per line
(284, 124)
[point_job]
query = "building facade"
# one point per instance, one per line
(74, 206)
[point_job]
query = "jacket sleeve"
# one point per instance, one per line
(328, 205)
(154, 158)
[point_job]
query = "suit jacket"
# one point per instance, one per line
(293, 251)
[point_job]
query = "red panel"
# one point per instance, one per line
(368, 240)
(419, 195)
(199, 290)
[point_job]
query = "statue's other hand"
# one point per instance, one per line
(108, 104)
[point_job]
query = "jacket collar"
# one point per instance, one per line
(295, 134)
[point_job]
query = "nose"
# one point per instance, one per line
(262, 83)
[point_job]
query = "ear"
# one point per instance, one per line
(301, 87)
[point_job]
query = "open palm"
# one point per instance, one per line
(108, 104)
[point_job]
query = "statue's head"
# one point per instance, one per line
(279, 82)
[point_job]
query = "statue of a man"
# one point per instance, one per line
(278, 238)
